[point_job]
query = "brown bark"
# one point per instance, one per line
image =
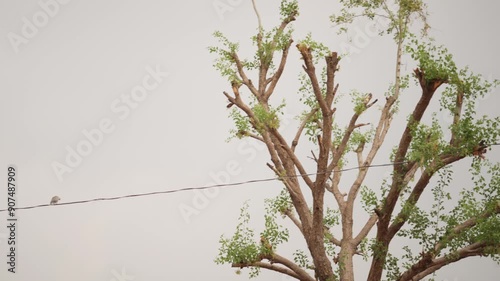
(288, 168)
(315, 238)
(384, 234)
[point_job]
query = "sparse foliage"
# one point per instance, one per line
(447, 230)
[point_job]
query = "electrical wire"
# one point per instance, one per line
(206, 186)
(196, 188)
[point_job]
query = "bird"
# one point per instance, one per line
(54, 200)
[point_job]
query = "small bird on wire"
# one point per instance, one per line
(54, 200)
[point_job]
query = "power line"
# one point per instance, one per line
(209, 186)
(198, 187)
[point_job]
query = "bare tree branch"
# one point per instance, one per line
(331, 237)
(339, 196)
(289, 268)
(310, 70)
(428, 90)
(254, 136)
(295, 141)
(363, 233)
(417, 191)
(294, 219)
(467, 224)
(257, 14)
(239, 103)
(293, 157)
(276, 76)
(244, 79)
(427, 265)
(315, 242)
(456, 115)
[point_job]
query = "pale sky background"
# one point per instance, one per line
(75, 68)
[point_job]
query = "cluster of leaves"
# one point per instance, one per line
(301, 259)
(438, 64)
(272, 41)
(358, 99)
(438, 210)
(483, 198)
(407, 8)
(313, 125)
(274, 233)
(471, 88)
(264, 118)
(435, 226)
(369, 199)
(331, 219)
(392, 266)
(289, 9)
(241, 247)
(353, 9)
(318, 49)
(463, 85)
(268, 118)
(359, 138)
(435, 61)
(398, 14)
(427, 143)
(280, 204)
(241, 123)
(471, 132)
(224, 62)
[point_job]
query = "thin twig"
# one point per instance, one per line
(258, 15)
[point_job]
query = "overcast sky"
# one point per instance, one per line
(109, 98)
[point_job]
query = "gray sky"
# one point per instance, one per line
(130, 84)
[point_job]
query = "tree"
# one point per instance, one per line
(436, 235)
